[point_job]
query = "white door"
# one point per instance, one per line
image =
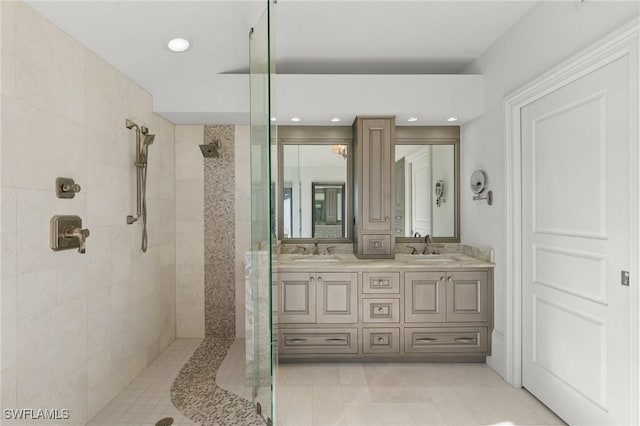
(420, 165)
(575, 230)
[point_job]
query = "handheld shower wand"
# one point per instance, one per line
(142, 153)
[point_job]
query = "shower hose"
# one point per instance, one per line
(142, 175)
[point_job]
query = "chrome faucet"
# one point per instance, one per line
(427, 241)
(315, 247)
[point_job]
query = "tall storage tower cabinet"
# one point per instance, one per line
(373, 159)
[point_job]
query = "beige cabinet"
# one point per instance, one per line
(425, 297)
(373, 179)
(337, 297)
(450, 340)
(296, 297)
(467, 297)
(446, 296)
(327, 297)
(384, 314)
(318, 341)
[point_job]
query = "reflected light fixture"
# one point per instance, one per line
(412, 119)
(341, 150)
(273, 119)
(179, 45)
(452, 119)
(296, 119)
(335, 120)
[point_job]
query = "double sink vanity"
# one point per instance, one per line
(356, 277)
(412, 307)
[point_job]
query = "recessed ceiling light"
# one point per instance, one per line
(335, 119)
(273, 119)
(452, 119)
(412, 119)
(296, 119)
(179, 45)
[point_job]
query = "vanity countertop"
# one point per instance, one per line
(348, 262)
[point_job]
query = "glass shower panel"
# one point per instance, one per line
(261, 329)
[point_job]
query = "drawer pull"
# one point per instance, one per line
(335, 339)
(465, 339)
(297, 340)
(380, 283)
(426, 339)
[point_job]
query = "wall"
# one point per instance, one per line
(78, 328)
(191, 232)
(219, 234)
(548, 34)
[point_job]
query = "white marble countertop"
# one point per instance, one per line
(348, 262)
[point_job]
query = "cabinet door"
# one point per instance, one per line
(337, 295)
(297, 297)
(376, 175)
(467, 294)
(424, 297)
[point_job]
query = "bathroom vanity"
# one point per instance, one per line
(381, 189)
(411, 308)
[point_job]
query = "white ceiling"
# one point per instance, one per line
(312, 37)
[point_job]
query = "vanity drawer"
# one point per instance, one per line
(381, 282)
(461, 340)
(318, 341)
(376, 244)
(380, 340)
(381, 310)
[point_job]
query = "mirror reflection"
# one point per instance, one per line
(328, 210)
(425, 191)
(314, 180)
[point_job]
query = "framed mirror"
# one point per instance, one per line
(427, 183)
(314, 177)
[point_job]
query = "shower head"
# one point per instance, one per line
(130, 124)
(148, 139)
(209, 151)
(144, 130)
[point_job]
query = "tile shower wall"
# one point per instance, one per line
(189, 232)
(219, 233)
(203, 236)
(76, 329)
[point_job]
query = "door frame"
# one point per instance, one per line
(622, 42)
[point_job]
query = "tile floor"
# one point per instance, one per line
(402, 395)
(341, 394)
(232, 374)
(147, 399)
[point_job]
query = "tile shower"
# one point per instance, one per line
(76, 329)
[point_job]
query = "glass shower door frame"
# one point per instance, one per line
(261, 326)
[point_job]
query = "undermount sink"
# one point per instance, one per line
(316, 259)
